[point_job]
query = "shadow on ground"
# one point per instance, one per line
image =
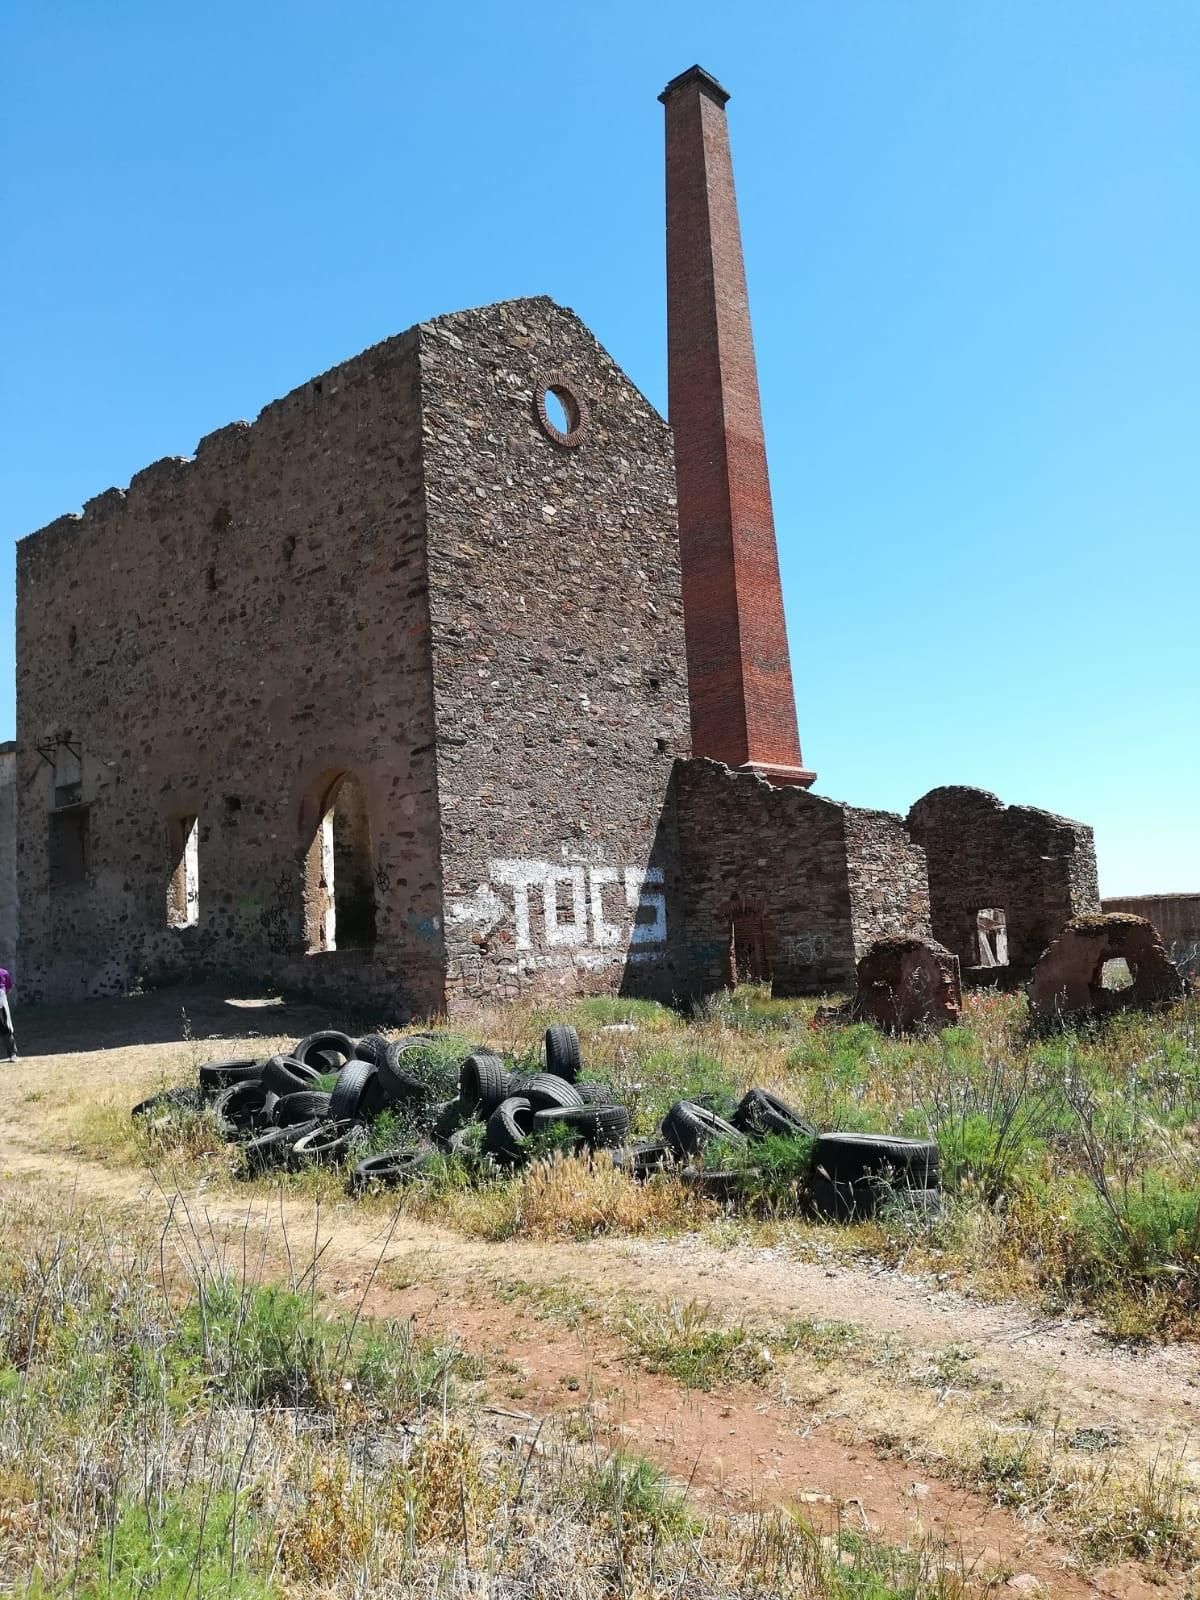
(166, 1016)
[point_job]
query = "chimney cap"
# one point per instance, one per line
(697, 75)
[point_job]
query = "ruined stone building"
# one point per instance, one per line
(458, 673)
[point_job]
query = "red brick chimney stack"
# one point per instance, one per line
(739, 675)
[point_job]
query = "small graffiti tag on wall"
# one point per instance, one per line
(577, 906)
(805, 949)
(276, 916)
(476, 979)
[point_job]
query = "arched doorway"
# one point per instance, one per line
(339, 868)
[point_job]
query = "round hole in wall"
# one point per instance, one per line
(562, 415)
(556, 410)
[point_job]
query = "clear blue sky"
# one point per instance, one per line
(973, 245)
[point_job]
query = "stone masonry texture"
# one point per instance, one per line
(559, 675)
(394, 573)
(1038, 868)
(742, 705)
(1177, 918)
(800, 864)
(8, 854)
(220, 640)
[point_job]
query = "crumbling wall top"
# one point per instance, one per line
(954, 799)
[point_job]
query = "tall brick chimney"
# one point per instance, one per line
(739, 675)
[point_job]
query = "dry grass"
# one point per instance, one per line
(169, 1428)
(1069, 1161)
(564, 1197)
(1105, 1497)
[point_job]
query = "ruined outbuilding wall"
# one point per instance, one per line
(1177, 918)
(889, 878)
(559, 664)
(824, 879)
(1040, 869)
(8, 855)
(219, 640)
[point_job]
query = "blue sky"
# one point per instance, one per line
(973, 248)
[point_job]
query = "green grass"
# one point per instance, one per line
(1068, 1159)
(168, 1430)
(186, 1545)
(266, 1345)
(637, 1497)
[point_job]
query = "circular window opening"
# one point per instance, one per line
(563, 416)
(556, 410)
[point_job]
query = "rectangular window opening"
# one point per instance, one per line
(69, 847)
(991, 936)
(183, 886)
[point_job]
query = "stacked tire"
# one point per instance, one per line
(516, 1111)
(854, 1174)
(278, 1110)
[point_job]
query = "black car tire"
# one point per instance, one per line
(644, 1159)
(717, 1185)
(339, 1044)
(760, 1112)
(508, 1130)
(358, 1095)
(305, 1105)
(288, 1076)
(271, 1147)
(483, 1084)
(545, 1091)
(563, 1058)
(218, 1075)
(327, 1142)
(850, 1157)
(843, 1202)
(168, 1102)
(236, 1107)
(401, 1088)
(599, 1127)
(390, 1168)
(688, 1127)
(448, 1120)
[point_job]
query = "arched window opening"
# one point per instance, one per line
(339, 895)
(183, 885)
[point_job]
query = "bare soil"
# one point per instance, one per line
(817, 1441)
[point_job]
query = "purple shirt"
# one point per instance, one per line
(5, 980)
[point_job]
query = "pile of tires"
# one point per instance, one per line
(517, 1110)
(849, 1177)
(278, 1110)
(690, 1128)
(282, 1114)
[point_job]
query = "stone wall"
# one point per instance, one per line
(8, 856)
(1177, 918)
(559, 665)
(889, 878)
(815, 880)
(1040, 869)
(222, 640)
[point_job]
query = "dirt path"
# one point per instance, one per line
(740, 1446)
(844, 1444)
